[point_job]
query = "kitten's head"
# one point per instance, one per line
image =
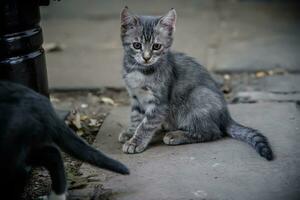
(146, 39)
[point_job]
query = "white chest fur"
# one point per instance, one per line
(138, 85)
(135, 80)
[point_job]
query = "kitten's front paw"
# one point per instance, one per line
(132, 146)
(125, 136)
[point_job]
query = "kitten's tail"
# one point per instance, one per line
(252, 137)
(78, 148)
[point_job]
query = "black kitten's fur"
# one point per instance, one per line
(30, 134)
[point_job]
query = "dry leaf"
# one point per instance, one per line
(271, 73)
(107, 100)
(84, 105)
(260, 74)
(226, 76)
(54, 100)
(93, 122)
(53, 47)
(76, 121)
(79, 132)
(83, 117)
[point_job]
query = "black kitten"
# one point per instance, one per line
(30, 135)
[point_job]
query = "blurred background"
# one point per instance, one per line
(227, 36)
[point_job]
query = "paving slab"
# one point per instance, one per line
(224, 169)
(284, 84)
(280, 88)
(256, 96)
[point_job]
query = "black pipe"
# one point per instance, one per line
(22, 57)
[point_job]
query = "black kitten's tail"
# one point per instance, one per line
(252, 137)
(76, 147)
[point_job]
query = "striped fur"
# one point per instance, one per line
(173, 91)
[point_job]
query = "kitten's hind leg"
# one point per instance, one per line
(179, 137)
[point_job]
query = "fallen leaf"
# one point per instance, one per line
(54, 100)
(76, 121)
(260, 74)
(76, 182)
(271, 73)
(79, 132)
(94, 122)
(107, 100)
(83, 117)
(101, 193)
(53, 47)
(84, 105)
(226, 76)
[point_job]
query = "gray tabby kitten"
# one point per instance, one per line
(172, 92)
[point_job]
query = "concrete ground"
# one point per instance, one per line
(225, 169)
(225, 36)
(222, 170)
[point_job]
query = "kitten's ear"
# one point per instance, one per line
(169, 20)
(127, 18)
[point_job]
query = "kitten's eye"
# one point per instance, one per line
(137, 45)
(156, 46)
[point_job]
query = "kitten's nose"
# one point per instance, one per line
(146, 56)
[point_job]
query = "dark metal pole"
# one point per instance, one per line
(22, 58)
